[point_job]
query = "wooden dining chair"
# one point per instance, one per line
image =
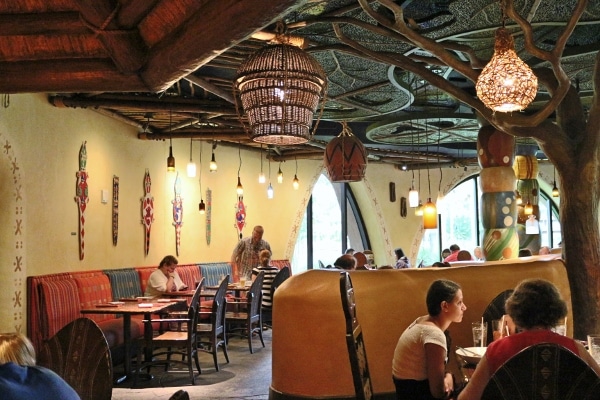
(212, 335)
(495, 310)
(543, 371)
(79, 353)
(181, 341)
(267, 312)
(249, 321)
(354, 340)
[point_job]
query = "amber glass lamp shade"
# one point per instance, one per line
(240, 188)
(419, 209)
(555, 192)
(429, 215)
(528, 210)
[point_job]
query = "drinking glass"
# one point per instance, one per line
(594, 346)
(498, 328)
(560, 329)
(479, 334)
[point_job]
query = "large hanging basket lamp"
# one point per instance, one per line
(506, 83)
(280, 88)
(345, 157)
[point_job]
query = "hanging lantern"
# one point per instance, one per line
(429, 215)
(345, 157)
(506, 83)
(413, 197)
(419, 209)
(280, 87)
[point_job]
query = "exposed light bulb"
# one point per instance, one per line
(413, 197)
(270, 191)
(261, 178)
(296, 183)
(240, 188)
(419, 209)
(555, 192)
(213, 164)
(279, 176)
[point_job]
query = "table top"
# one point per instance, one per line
(189, 293)
(233, 286)
(117, 307)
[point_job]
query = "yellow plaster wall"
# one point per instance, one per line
(40, 218)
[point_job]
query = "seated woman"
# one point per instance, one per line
(264, 258)
(419, 363)
(535, 307)
(20, 378)
(165, 279)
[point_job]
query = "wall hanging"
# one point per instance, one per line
(115, 210)
(81, 196)
(177, 212)
(147, 211)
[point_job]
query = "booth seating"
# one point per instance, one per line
(55, 300)
(309, 341)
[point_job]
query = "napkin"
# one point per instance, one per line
(145, 305)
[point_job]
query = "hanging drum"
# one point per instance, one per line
(345, 157)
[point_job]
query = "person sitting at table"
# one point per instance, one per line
(420, 357)
(535, 307)
(345, 262)
(165, 279)
(20, 378)
(270, 271)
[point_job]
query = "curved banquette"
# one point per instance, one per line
(310, 359)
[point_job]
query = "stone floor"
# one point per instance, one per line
(246, 377)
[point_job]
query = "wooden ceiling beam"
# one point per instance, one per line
(213, 29)
(62, 76)
(52, 23)
(141, 105)
(121, 39)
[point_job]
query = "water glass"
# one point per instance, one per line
(594, 346)
(479, 334)
(498, 330)
(560, 329)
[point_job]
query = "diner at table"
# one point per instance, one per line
(536, 307)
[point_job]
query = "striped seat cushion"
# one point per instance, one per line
(189, 274)
(214, 272)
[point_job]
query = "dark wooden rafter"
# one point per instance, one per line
(127, 63)
(117, 30)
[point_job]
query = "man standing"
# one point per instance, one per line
(245, 254)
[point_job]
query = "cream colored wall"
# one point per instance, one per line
(40, 217)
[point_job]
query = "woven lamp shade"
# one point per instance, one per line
(280, 87)
(506, 83)
(345, 157)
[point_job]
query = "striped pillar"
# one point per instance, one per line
(526, 170)
(496, 152)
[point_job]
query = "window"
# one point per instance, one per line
(331, 224)
(460, 223)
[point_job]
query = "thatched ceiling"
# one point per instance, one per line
(167, 66)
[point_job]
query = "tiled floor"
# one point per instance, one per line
(246, 377)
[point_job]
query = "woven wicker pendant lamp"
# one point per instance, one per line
(506, 83)
(280, 88)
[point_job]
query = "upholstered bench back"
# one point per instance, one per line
(61, 306)
(94, 288)
(214, 271)
(189, 274)
(124, 283)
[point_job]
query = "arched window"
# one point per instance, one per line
(332, 223)
(459, 222)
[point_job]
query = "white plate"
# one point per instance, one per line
(164, 301)
(144, 298)
(471, 354)
(118, 303)
(145, 305)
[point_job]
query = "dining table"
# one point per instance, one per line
(127, 308)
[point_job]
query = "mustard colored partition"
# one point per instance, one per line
(310, 359)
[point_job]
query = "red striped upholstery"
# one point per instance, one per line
(189, 274)
(282, 263)
(59, 308)
(144, 273)
(94, 289)
(34, 311)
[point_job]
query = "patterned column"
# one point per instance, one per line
(526, 170)
(496, 152)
